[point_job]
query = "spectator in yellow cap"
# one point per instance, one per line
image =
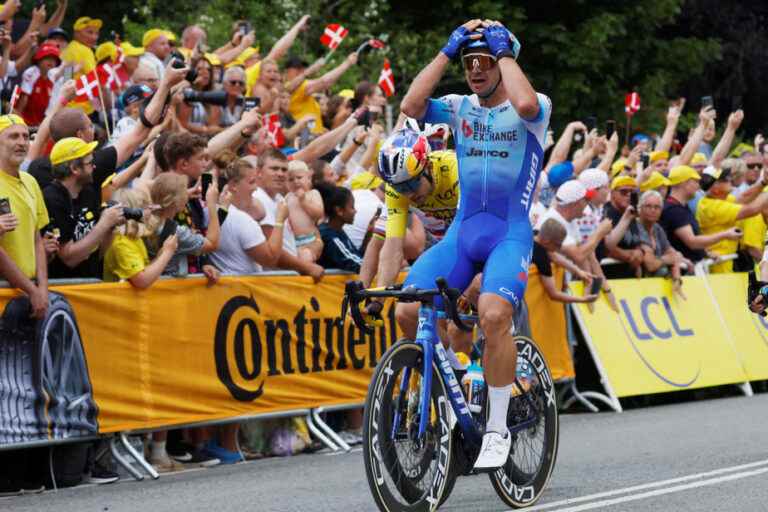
(623, 245)
(156, 50)
(80, 54)
(106, 52)
(131, 55)
(699, 162)
(659, 160)
(656, 181)
(718, 210)
(23, 261)
(75, 211)
(680, 223)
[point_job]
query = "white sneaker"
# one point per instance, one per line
(495, 450)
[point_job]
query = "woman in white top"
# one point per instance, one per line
(243, 248)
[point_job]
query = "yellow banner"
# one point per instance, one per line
(657, 342)
(749, 331)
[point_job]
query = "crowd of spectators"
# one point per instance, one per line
(174, 173)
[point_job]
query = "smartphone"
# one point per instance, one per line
(736, 103)
(169, 229)
(591, 123)
(707, 101)
(5, 205)
(646, 160)
(610, 128)
(251, 102)
(207, 179)
(634, 198)
(597, 285)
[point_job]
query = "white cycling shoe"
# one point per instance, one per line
(494, 451)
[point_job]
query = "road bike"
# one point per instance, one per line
(419, 434)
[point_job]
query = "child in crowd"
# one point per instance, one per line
(338, 250)
(131, 101)
(306, 209)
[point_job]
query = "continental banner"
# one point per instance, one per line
(658, 342)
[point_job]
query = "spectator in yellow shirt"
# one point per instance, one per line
(302, 89)
(79, 52)
(719, 210)
(23, 261)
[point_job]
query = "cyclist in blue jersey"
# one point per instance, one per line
(499, 132)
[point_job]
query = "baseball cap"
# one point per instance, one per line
(85, 22)
(623, 181)
(618, 166)
(212, 58)
(170, 35)
(135, 93)
(655, 156)
(295, 62)
(640, 137)
(9, 120)
(347, 93)
(152, 34)
(593, 178)
(47, 50)
(712, 174)
(70, 148)
(559, 174)
(106, 50)
(570, 192)
(682, 173)
(699, 159)
(131, 51)
(654, 181)
(58, 32)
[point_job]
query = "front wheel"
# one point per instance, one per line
(533, 421)
(405, 472)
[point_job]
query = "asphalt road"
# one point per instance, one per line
(703, 455)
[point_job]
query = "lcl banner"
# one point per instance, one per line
(658, 342)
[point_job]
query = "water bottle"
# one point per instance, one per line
(524, 377)
(474, 385)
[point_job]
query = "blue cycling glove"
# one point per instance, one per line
(458, 38)
(501, 42)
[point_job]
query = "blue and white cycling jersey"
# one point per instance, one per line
(500, 158)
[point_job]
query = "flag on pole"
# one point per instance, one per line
(87, 87)
(333, 36)
(108, 77)
(387, 80)
(631, 103)
(377, 43)
(15, 97)
(274, 130)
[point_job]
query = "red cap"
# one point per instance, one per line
(47, 50)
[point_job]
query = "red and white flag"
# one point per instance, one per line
(15, 97)
(387, 80)
(377, 43)
(87, 87)
(274, 130)
(631, 103)
(108, 77)
(333, 36)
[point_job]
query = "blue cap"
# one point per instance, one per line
(639, 137)
(288, 150)
(559, 174)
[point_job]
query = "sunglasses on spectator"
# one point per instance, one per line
(236, 82)
(480, 61)
(754, 166)
(624, 191)
(652, 206)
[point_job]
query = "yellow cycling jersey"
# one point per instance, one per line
(439, 207)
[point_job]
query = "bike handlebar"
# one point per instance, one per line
(355, 293)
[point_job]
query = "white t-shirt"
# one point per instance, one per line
(270, 206)
(366, 204)
(537, 211)
(30, 76)
(124, 125)
(151, 60)
(587, 224)
(572, 234)
(239, 233)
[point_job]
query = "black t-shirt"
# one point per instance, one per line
(675, 216)
(631, 239)
(74, 218)
(541, 259)
(104, 166)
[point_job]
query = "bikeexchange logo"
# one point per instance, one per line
(258, 348)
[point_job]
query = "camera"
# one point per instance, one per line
(177, 62)
(206, 97)
(129, 213)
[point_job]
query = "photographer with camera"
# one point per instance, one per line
(195, 114)
(74, 212)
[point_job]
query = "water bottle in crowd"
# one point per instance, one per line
(474, 387)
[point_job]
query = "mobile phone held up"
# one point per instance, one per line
(634, 199)
(610, 128)
(5, 205)
(645, 158)
(207, 179)
(597, 285)
(707, 101)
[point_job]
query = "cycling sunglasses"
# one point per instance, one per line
(408, 186)
(481, 61)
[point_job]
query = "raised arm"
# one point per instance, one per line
(726, 141)
(325, 142)
(283, 44)
(331, 77)
(519, 90)
(236, 134)
(563, 147)
(611, 149)
(706, 116)
(673, 116)
(56, 18)
(299, 79)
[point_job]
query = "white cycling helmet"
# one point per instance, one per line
(403, 158)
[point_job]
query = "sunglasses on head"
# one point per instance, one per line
(479, 61)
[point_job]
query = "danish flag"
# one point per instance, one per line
(274, 130)
(108, 77)
(333, 36)
(15, 97)
(387, 80)
(632, 103)
(377, 43)
(87, 87)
